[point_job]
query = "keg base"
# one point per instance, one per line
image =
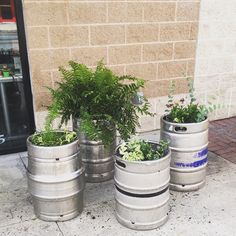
(58, 217)
(141, 226)
(97, 178)
(187, 187)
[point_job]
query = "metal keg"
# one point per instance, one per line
(142, 192)
(188, 144)
(97, 158)
(55, 181)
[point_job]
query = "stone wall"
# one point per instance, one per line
(154, 40)
(215, 72)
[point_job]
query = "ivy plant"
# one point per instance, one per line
(101, 100)
(140, 150)
(187, 110)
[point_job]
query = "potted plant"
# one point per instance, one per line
(100, 103)
(142, 174)
(55, 174)
(185, 125)
(5, 71)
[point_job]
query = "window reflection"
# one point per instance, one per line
(14, 120)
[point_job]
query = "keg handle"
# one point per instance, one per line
(177, 129)
(119, 163)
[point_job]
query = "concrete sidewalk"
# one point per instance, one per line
(209, 211)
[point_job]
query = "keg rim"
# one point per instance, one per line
(149, 162)
(183, 124)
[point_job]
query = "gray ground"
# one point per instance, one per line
(209, 211)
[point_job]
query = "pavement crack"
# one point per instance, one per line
(60, 229)
(16, 223)
(23, 163)
(11, 213)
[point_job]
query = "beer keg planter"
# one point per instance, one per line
(55, 180)
(97, 158)
(188, 144)
(142, 191)
(101, 100)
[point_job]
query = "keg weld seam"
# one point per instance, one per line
(138, 195)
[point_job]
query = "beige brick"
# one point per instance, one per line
(187, 11)
(181, 86)
(194, 31)
(142, 33)
(41, 101)
(174, 31)
(45, 13)
(59, 57)
(118, 70)
(156, 52)
(156, 88)
(90, 56)
(160, 88)
(40, 80)
(185, 50)
(87, 12)
(40, 119)
(124, 12)
(190, 68)
(56, 77)
(39, 59)
(68, 36)
(107, 34)
(37, 37)
(143, 71)
(159, 11)
(147, 123)
(124, 54)
(172, 69)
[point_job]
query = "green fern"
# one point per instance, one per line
(100, 99)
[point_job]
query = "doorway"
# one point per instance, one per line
(16, 108)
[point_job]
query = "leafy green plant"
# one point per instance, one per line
(50, 137)
(140, 150)
(53, 138)
(100, 99)
(187, 111)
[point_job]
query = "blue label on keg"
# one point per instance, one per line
(201, 153)
(193, 164)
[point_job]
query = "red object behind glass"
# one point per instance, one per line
(9, 4)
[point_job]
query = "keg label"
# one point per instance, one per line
(201, 153)
(193, 164)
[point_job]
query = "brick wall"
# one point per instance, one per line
(215, 73)
(154, 40)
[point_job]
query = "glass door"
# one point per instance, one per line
(16, 113)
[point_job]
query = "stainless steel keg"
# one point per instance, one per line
(55, 181)
(97, 158)
(188, 144)
(142, 192)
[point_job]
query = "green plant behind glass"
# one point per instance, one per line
(187, 112)
(100, 99)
